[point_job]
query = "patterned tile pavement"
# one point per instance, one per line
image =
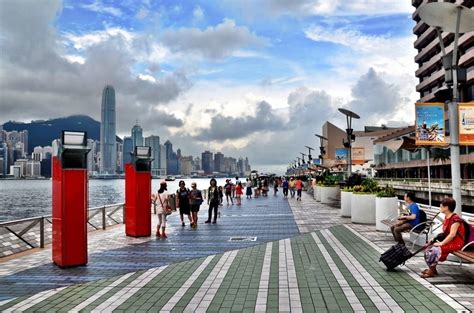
(331, 267)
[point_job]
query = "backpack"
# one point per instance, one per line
(421, 219)
(468, 230)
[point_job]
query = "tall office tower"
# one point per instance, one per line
(163, 161)
(127, 149)
(169, 149)
(219, 162)
(24, 140)
(206, 160)
(430, 72)
(197, 164)
(4, 155)
(108, 153)
(154, 143)
(137, 136)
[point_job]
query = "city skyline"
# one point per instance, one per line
(212, 74)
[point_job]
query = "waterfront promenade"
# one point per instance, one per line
(305, 257)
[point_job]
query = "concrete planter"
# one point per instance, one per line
(317, 193)
(346, 197)
(385, 208)
(330, 194)
(363, 208)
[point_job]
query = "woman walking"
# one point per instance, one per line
(248, 187)
(195, 201)
(228, 191)
(212, 201)
(299, 188)
(239, 191)
(161, 199)
(182, 202)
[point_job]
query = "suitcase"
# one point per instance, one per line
(397, 254)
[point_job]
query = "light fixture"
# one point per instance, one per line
(74, 138)
(350, 137)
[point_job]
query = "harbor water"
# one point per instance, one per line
(28, 198)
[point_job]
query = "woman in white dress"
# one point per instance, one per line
(161, 200)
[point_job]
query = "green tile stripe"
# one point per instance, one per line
(406, 291)
(272, 298)
(161, 288)
(318, 286)
(184, 301)
(108, 294)
(240, 285)
(73, 295)
(353, 283)
(99, 283)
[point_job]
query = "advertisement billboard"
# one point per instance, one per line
(341, 156)
(466, 124)
(358, 155)
(430, 130)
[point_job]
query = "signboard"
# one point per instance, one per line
(358, 155)
(317, 161)
(466, 124)
(341, 156)
(430, 130)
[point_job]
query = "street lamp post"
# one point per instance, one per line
(322, 151)
(350, 137)
(453, 18)
(309, 154)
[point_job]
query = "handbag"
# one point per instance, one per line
(167, 208)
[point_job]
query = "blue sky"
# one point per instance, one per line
(274, 69)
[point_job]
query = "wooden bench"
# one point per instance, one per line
(433, 222)
(467, 252)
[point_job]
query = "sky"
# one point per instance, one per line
(254, 78)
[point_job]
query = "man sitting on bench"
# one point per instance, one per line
(406, 222)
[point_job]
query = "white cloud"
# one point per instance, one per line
(213, 42)
(198, 13)
(84, 41)
(147, 77)
(98, 7)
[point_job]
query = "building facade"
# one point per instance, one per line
(137, 136)
(219, 162)
(154, 143)
(108, 153)
(207, 162)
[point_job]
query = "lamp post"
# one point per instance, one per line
(452, 18)
(322, 151)
(309, 154)
(350, 137)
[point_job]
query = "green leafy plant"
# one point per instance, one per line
(330, 181)
(368, 186)
(386, 192)
(347, 189)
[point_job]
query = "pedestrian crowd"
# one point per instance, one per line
(189, 201)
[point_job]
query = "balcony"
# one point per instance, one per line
(432, 80)
(428, 36)
(419, 28)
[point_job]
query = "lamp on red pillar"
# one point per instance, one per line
(138, 193)
(70, 199)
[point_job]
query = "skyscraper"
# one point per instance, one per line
(127, 149)
(219, 162)
(108, 154)
(154, 143)
(137, 136)
(206, 159)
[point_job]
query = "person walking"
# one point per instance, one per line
(161, 199)
(265, 188)
(299, 188)
(292, 185)
(228, 191)
(248, 187)
(182, 202)
(285, 186)
(275, 187)
(212, 200)
(239, 191)
(195, 201)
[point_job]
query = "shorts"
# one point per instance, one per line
(194, 207)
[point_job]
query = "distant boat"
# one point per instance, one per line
(170, 178)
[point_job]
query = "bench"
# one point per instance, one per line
(425, 229)
(464, 254)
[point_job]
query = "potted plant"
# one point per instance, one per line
(330, 189)
(386, 206)
(346, 194)
(363, 202)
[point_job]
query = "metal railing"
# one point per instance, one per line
(35, 232)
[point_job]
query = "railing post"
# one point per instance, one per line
(42, 232)
(103, 218)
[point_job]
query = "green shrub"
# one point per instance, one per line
(386, 192)
(330, 181)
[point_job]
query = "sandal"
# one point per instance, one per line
(429, 273)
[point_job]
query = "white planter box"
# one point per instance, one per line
(363, 208)
(317, 193)
(346, 197)
(330, 194)
(385, 208)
